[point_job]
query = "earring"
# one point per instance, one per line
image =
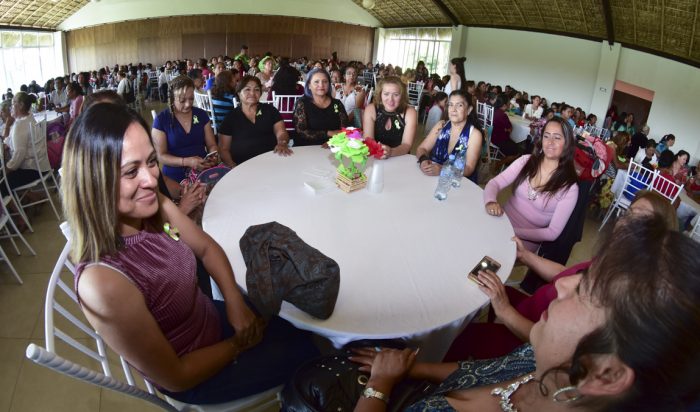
(556, 397)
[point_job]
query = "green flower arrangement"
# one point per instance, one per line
(351, 151)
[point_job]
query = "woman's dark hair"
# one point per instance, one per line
(102, 96)
(244, 82)
(681, 153)
(439, 96)
(222, 84)
(651, 143)
(666, 159)
(286, 78)
(312, 73)
(459, 66)
(667, 137)
(501, 100)
(75, 86)
(565, 174)
(649, 291)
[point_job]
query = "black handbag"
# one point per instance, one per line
(334, 383)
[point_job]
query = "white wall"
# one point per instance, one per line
(110, 11)
(676, 89)
(557, 67)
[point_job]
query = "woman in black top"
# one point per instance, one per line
(251, 128)
(318, 116)
(389, 119)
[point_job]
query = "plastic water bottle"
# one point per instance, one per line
(444, 181)
(458, 167)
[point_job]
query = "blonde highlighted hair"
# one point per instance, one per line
(90, 181)
(403, 101)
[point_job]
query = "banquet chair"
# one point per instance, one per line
(4, 219)
(285, 105)
(665, 187)
(638, 178)
(235, 101)
(135, 385)
(154, 114)
(153, 83)
(203, 101)
(11, 197)
(415, 91)
(695, 231)
(44, 176)
(368, 98)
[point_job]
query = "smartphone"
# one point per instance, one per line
(212, 154)
(486, 263)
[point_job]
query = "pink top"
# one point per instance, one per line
(534, 221)
(164, 270)
(75, 105)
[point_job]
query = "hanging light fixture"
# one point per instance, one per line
(368, 4)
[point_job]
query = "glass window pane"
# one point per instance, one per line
(30, 40)
(11, 39)
(45, 40)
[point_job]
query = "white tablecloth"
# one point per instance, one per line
(403, 256)
(521, 128)
(50, 116)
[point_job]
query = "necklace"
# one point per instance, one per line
(508, 391)
(532, 194)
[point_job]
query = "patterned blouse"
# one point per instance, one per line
(471, 374)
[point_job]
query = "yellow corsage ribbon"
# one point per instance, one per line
(195, 120)
(171, 231)
(335, 107)
(259, 113)
(397, 124)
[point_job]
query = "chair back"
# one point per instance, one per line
(665, 187)
(415, 91)
(368, 98)
(285, 105)
(39, 145)
(154, 114)
(695, 231)
(203, 101)
(638, 178)
(484, 113)
(97, 350)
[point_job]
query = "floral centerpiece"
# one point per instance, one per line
(352, 152)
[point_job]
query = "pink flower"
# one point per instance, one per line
(353, 133)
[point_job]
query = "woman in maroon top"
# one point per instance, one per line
(519, 312)
(136, 277)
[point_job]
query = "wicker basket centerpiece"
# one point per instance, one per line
(352, 151)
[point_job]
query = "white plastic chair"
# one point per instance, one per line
(368, 98)
(665, 187)
(37, 132)
(638, 178)
(97, 350)
(284, 103)
(203, 101)
(415, 91)
(695, 231)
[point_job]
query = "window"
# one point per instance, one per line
(27, 56)
(405, 47)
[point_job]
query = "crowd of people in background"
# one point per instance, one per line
(550, 185)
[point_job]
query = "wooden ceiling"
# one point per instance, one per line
(664, 27)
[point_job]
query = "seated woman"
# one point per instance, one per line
(500, 134)
(517, 312)
(449, 136)
(647, 155)
(6, 119)
(252, 128)
(352, 95)
(665, 144)
(389, 119)
(266, 65)
(317, 115)
(544, 187)
(436, 111)
(75, 96)
(600, 346)
(135, 278)
(680, 167)
(222, 94)
(182, 133)
(21, 166)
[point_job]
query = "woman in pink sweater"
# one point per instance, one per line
(544, 187)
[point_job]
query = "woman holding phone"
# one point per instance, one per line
(182, 134)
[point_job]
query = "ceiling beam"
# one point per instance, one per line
(692, 33)
(607, 16)
(447, 12)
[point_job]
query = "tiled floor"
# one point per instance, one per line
(25, 386)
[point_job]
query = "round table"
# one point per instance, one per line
(403, 256)
(521, 128)
(49, 115)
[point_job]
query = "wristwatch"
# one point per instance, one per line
(372, 393)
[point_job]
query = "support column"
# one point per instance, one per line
(458, 46)
(605, 80)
